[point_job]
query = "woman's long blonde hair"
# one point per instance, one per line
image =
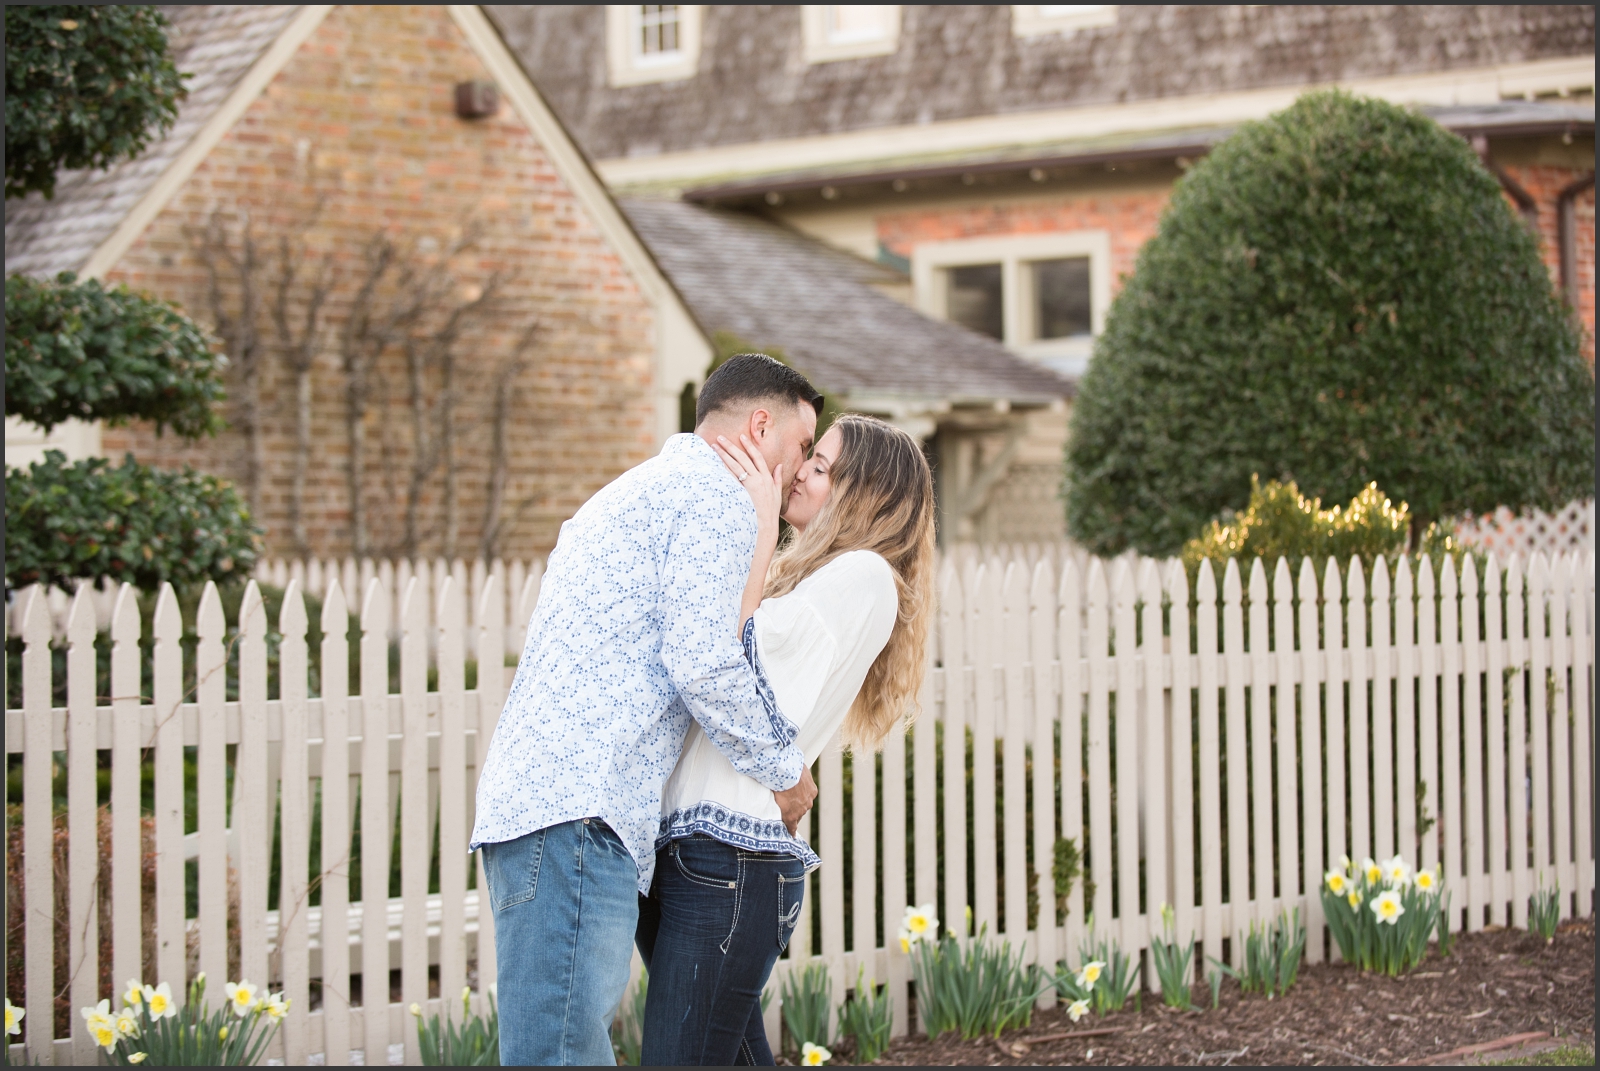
(882, 501)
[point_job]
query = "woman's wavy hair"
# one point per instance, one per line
(882, 501)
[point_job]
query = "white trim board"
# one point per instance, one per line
(1480, 85)
(255, 80)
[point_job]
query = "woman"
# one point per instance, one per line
(841, 636)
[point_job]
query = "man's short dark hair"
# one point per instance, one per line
(753, 377)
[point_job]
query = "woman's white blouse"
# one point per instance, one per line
(814, 647)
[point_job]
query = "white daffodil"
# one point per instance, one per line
(814, 1055)
(1078, 1009)
(159, 1001)
(1427, 880)
(416, 1009)
(1345, 864)
(14, 1016)
(1372, 871)
(241, 996)
(1089, 974)
(1387, 907)
(1354, 898)
(135, 994)
(1397, 871)
(905, 940)
(1336, 882)
(127, 1023)
(920, 922)
(105, 1035)
(277, 1007)
(100, 1013)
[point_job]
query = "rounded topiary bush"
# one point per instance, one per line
(1337, 295)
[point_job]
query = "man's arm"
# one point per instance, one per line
(707, 560)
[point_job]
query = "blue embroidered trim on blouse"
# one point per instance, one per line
(731, 827)
(784, 729)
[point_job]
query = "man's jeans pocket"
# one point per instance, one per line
(791, 901)
(512, 868)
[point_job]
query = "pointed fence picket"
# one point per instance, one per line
(1218, 750)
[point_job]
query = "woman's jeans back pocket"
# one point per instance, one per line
(791, 901)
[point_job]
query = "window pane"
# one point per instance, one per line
(658, 29)
(857, 22)
(974, 298)
(1061, 296)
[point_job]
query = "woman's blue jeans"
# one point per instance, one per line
(715, 921)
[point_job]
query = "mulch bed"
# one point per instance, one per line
(1496, 984)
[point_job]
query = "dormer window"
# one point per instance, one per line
(652, 42)
(849, 31)
(1029, 20)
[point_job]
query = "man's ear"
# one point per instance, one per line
(760, 423)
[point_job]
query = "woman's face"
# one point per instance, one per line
(814, 484)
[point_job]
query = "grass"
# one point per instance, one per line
(1564, 1056)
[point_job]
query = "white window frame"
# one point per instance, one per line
(629, 67)
(931, 261)
(1031, 20)
(820, 48)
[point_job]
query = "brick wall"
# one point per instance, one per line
(359, 134)
(1545, 183)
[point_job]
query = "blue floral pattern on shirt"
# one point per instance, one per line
(630, 641)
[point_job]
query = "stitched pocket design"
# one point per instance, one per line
(513, 872)
(791, 898)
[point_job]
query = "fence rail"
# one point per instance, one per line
(1212, 748)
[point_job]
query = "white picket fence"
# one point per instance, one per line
(1359, 699)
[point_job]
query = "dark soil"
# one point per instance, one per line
(1495, 984)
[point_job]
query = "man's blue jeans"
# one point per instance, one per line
(710, 931)
(566, 907)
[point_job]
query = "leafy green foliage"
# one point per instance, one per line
(868, 1017)
(1544, 911)
(1382, 915)
(982, 989)
(1172, 961)
(476, 1043)
(1106, 976)
(808, 1005)
(1272, 954)
(1338, 295)
(130, 523)
(627, 1029)
(194, 1035)
(86, 86)
(77, 350)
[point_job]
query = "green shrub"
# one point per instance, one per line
(86, 87)
(131, 523)
(867, 1017)
(475, 1044)
(979, 990)
(1544, 911)
(1337, 295)
(75, 350)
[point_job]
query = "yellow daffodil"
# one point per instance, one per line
(1372, 871)
(1090, 974)
(241, 996)
(1387, 907)
(1336, 882)
(1078, 1009)
(137, 1058)
(905, 941)
(1396, 871)
(97, 1015)
(920, 922)
(135, 994)
(222, 1033)
(127, 1023)
(158, 1001)
(814, 1055)
(1353, 899)
(1427, 880)
(14, 1016)
(277, 1007)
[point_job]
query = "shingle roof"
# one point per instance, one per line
(215, 43)
(956, 61)
(778, 289)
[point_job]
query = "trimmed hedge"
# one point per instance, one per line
(77, 350)
(131, 523)
(1338, 295)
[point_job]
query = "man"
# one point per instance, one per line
(635, 634)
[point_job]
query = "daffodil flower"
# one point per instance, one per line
(137, 1057)
(1427, 880)
(1078, 1009)
(1345, 864)
(905, 941)
(135, 994)
(920, 922)
(222, 1033)
(1387, 907)
(100, 1013)
(158, 1001)
(1336, 882)
(1090, 974)
(814, 1055)
(1373, 872)
(416, 1009)
(1395, 870)
(127, 1023)
(1353, 899)
(105, 1035)
(242, 996)
(14, 1016)
(277, 1007)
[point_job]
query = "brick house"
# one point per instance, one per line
(1008, 161)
